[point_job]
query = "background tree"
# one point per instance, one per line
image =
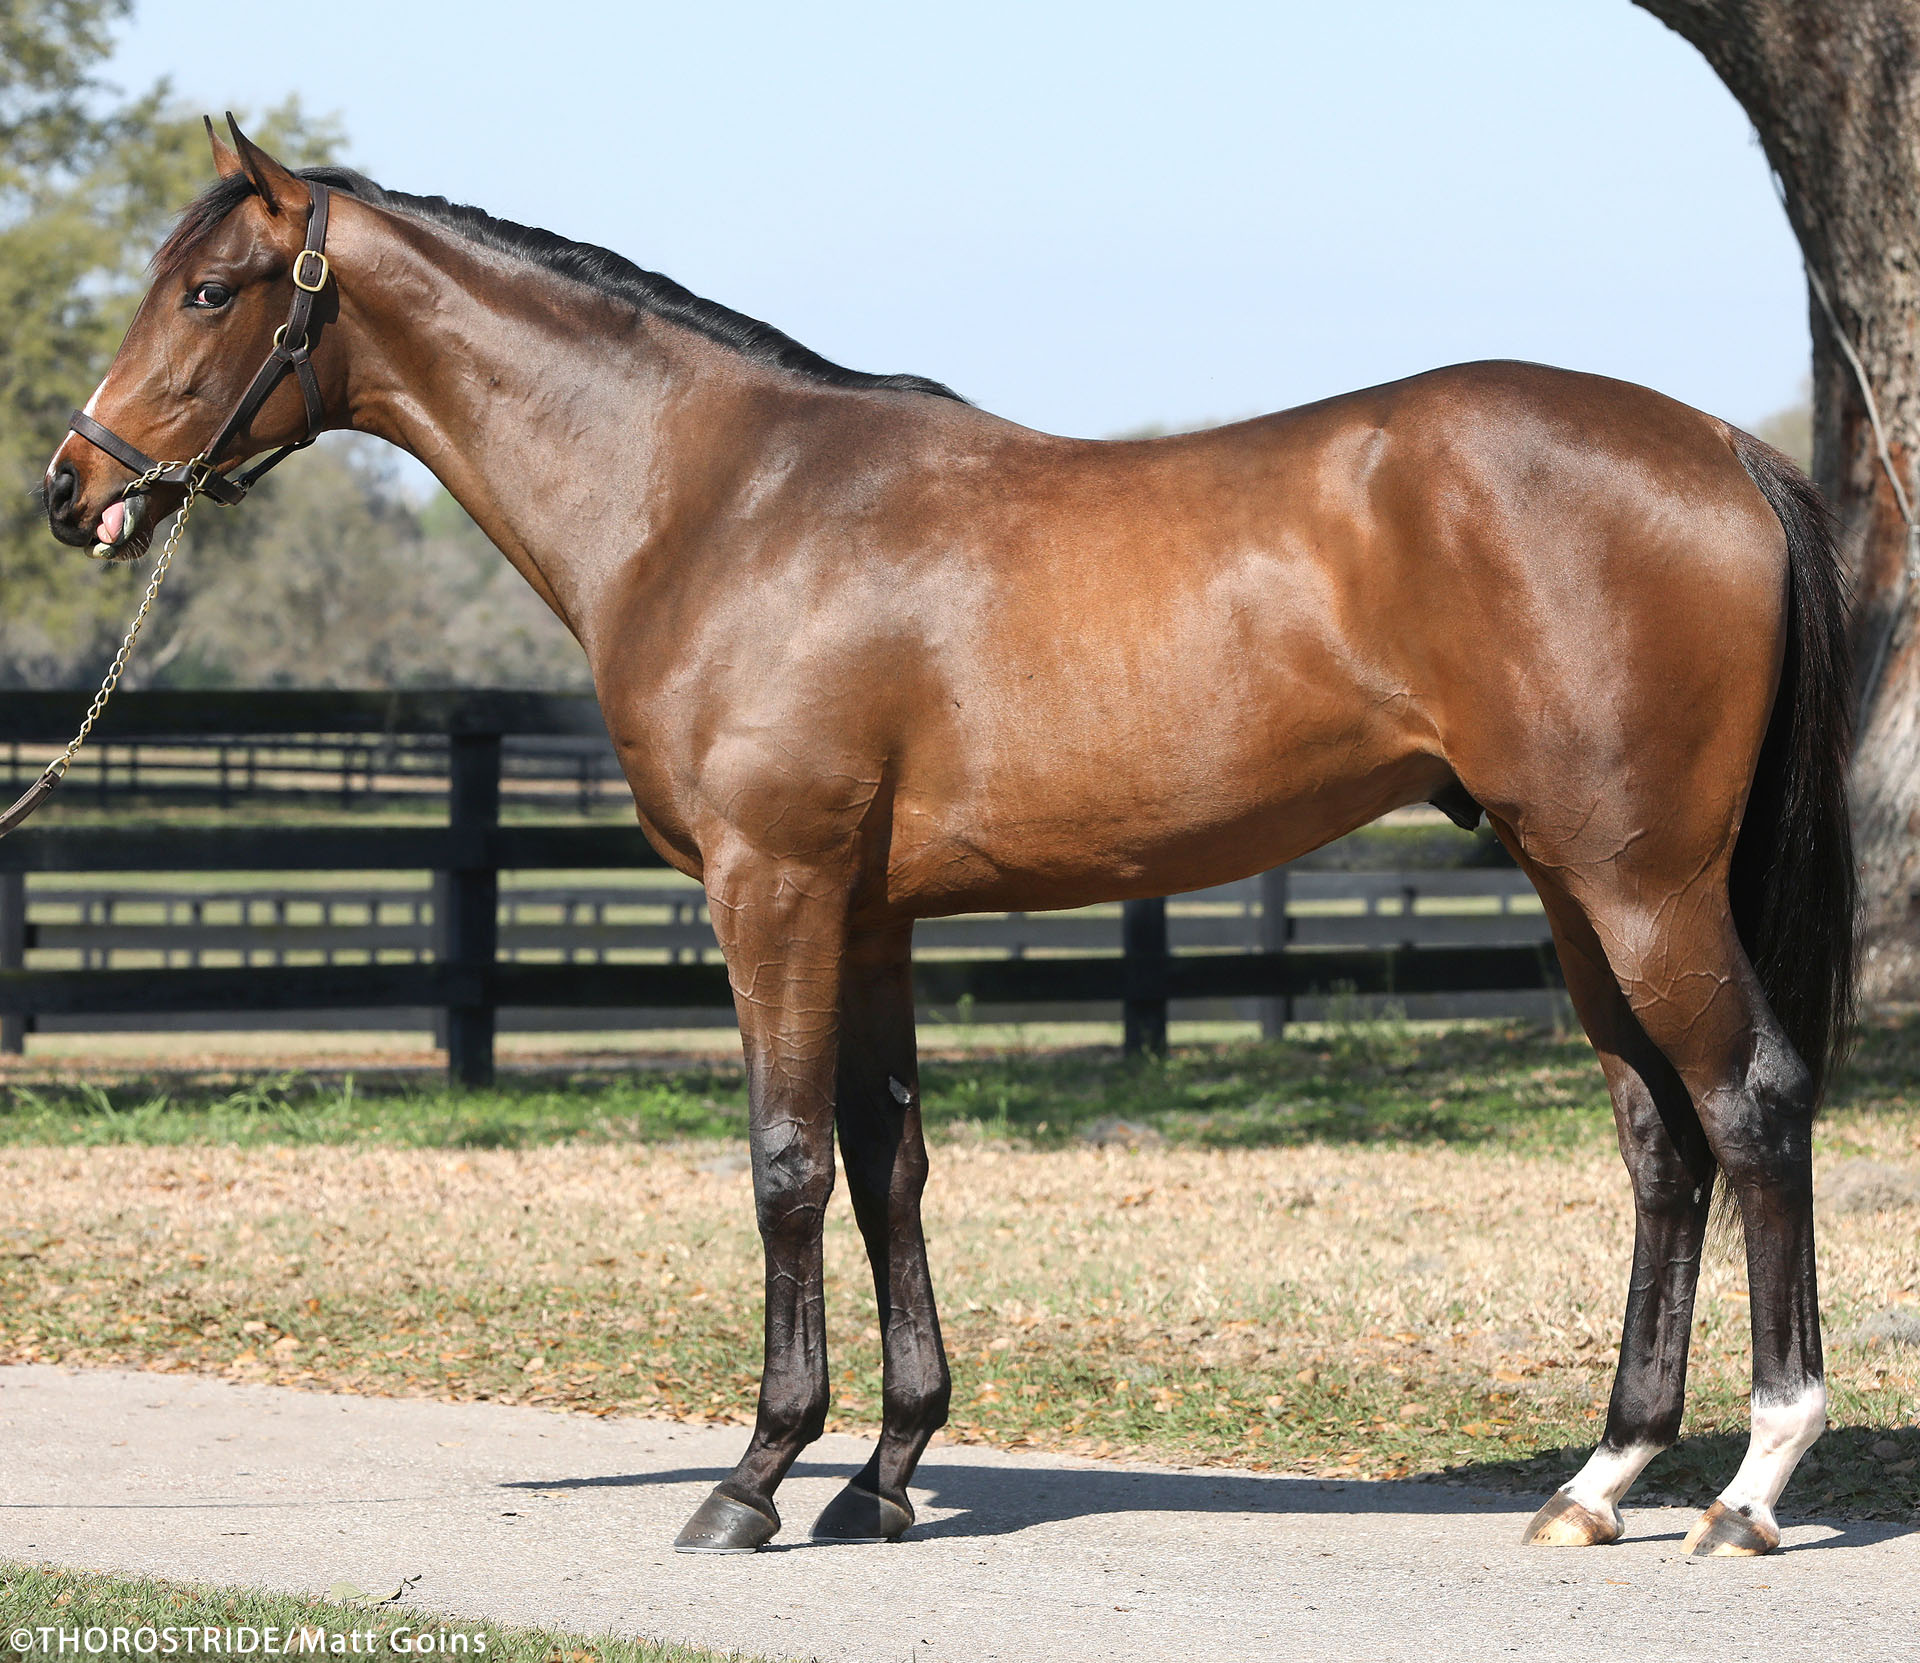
(1833, 91)
(87, 188)
(332, 575)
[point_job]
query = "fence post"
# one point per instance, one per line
(1276, 931)
(13, 955)
(1143, 939)
(472, 931)
(441, 901)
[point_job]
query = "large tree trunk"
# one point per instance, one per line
(1833, 90)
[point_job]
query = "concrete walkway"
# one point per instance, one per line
(528, 1516)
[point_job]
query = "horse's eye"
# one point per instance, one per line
(210, 296)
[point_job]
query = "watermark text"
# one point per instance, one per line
(55, 1640)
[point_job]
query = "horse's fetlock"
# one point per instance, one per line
(918, 1405)
(793, 1413)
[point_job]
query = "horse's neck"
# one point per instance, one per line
(549, 412)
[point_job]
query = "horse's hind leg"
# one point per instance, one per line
(783, 932)
(1755, 1099)
(1683, 970)
(1672, 1168)
(881, 1145)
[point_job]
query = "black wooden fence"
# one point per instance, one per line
(561, 771)
(468, 979)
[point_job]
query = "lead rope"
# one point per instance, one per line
(56, 770)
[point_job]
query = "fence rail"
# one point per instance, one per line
(554, 771)
(131, 927)
(463, 945)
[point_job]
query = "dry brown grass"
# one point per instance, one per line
(1355, 1310)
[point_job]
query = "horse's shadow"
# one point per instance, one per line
(997, 1501)
(987, 1501)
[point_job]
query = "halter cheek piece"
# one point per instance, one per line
(291, 344)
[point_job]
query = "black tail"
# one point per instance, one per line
(1793, 874)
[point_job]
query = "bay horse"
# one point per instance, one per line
(869, 654)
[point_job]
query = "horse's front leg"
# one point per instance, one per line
(881, 1142)
(783, 932)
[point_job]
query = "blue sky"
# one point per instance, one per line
(1090, 216)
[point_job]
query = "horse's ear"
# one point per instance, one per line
(277, 187)
(225, 161)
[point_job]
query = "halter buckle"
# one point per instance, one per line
(300, 266)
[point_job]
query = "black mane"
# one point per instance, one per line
(599, 269)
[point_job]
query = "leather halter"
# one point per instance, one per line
(291, 344)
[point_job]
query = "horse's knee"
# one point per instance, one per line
(792, 1183)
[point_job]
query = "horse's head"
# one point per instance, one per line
(215, 364)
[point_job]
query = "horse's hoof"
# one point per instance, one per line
(860, 1515)
(1564, 1523)
(726, 1522)
(1724, 1532)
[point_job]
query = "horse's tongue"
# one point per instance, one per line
(111, 523)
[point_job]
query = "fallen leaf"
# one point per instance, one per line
(351, 1594)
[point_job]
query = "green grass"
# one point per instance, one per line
(1464, 1084)
(69, 1600)
(1370, 1082)
(291, 1108)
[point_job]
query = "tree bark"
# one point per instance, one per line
(1833, 90)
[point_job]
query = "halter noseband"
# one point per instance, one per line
(290, 352)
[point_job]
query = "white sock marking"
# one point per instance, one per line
(1607, 1476)
(1782, 1433)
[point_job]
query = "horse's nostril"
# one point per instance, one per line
(62, 488)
